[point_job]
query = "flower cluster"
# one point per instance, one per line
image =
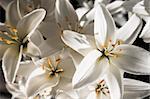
(49, 50)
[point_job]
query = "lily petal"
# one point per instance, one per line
(37, 38)
(4, 3)
(26, 68)
(147, 5)
(68, 67)
(12, 14)
(10, 63)
(66, 15)
(33, 87)
(93, 95)
(128, 5)
(3, 49)
(132, 59)
(30, 22)
(135, 88)
(78, 42)
(48, 47)
(114, 81)
(140, 9)
(33, 50)
(49, 28)
(129, 29)
(81, 11)
(104, 26)
(89, 69)
(115, 6)
(146, 32)
(76, 57)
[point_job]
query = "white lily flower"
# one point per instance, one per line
(115, 9)
(48, 28)
(109, 51)
(52, 71)
(15, 41)
(141, 7)
(17, 89)
(100, 89)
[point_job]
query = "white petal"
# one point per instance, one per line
(12, 14)
(38, 81)
(3, 49)
(15, 91)
(147, 5)
(104, 27)
(50, 46)
(4, 3)
(10, 63)
(63, 96)
(66, 86)
(66, 15)
(68, 68)
(25, 69)
(49, 28)
(88, 28)
(89, 69)
(33, 50)
(78, 42)
(93, 95)
(37, 38)
(30, 22)
(135, 88)
(114, 82)
(76, 57)
(128, 5)
(81, 11)
(132, 59)
(48, 5)
(115, 6)
(89, 16)
(146, 32)
(129, 29)
(140, 9)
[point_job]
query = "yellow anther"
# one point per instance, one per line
(1, 39)
(102, 88)
(14, 30)
(9, 42)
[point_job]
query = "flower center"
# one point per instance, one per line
(102, 88)
(9, 38)
(53, 69)
(109, 51)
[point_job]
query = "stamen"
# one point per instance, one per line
(102, 88)
(52, 69)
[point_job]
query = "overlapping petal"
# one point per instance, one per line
(38, 81)
(129, 32)
(78, 42)
(13, 14)
(66, 15)
(30, 22)
(132, 59)
(104, 26)
(10, 63)
(89, 69)
(135, 88)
